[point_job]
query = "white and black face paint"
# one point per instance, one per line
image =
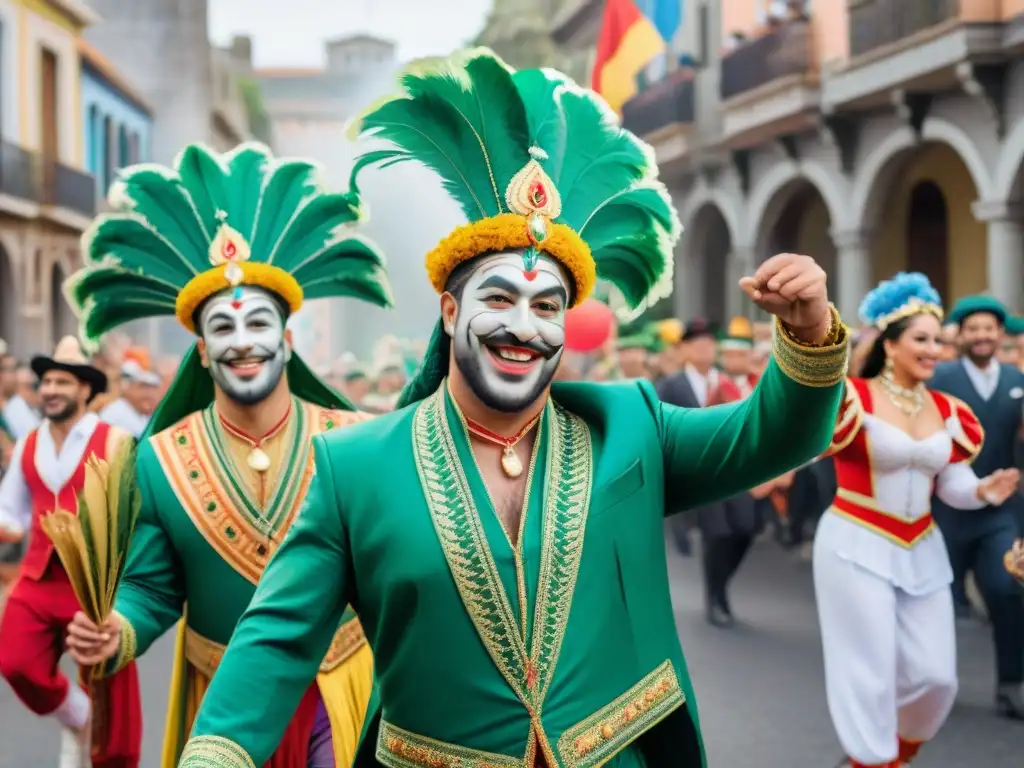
(244, 332)
(510, 329)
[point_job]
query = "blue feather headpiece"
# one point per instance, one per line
(905, 295)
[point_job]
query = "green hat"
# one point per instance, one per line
(537, 164)
(641, 340)
(739, 334)
(1014, 325)
(218, 222)
(972, 305)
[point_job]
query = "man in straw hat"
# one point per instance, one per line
(47, 472)
(505, 535)
(230, 245)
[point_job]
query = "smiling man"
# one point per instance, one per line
(977, 540)
(47, 472)
(502, 537)
(229, 245)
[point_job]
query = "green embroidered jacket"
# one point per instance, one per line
(200, 540)
(487, 653)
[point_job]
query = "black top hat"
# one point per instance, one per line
(68, 357)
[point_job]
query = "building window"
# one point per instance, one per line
(3, 90)
(92, 140)
(49, 114)
(122, 147)
(108, 153)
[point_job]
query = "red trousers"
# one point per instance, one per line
(32, 633)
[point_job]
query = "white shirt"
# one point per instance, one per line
(121, 414)
(55, 469)
(20, 417)
(985, 380)
(702, 385)
(902, 473)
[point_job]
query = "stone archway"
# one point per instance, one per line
(62, 319)
(798, 218)
(914, 201)
(8, 301)
(703, 277)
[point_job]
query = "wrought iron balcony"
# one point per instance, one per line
(68, 188)
(783, 52)
(876, 23)
(18, 173)
(668, 102)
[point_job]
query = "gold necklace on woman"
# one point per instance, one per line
(910, 401)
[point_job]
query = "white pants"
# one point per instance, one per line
(890, 658)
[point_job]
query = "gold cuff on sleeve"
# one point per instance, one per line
(214, 752)
(128, 647)
(824, 365)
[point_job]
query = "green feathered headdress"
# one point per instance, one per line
(216, 222)
(537, 164)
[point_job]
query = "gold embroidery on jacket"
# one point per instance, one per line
(599, 737)
(214, 752)
(398, 748)
(813, 366)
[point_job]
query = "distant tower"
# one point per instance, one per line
(360, 55)
(163, 47)
(520, 32)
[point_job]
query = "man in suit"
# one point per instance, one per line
(728, 527)
(977, 540)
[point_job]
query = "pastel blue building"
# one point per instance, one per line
(117, 121)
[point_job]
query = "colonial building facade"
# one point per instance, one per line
(875, 135)
(46, 197)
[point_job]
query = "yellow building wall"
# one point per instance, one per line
(968, 237)
(40, 25)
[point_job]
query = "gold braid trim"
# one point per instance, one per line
(214, 752)
(127, 648)
(824, 365)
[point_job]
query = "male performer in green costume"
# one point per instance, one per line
(500, 538)
(230, 245)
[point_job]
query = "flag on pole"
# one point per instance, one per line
(633, 33)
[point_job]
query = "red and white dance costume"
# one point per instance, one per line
(882, 576)
(42, 603)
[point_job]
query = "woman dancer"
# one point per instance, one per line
(881, 572)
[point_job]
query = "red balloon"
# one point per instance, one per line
(588, 326)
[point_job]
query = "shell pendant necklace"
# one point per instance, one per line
(511, 464)
(257, 460)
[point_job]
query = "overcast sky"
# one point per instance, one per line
(292, 32)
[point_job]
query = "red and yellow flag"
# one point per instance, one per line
(628, 42)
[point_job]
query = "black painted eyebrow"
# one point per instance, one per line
(499, 282)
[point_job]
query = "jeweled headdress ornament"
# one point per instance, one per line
(215, 222)
(537, 164)
(905, 295)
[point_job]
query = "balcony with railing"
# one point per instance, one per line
(18, 173)
(783, 53)
(914, 46)
(67, 188)
(769, 86)
(878, 23)
(665, 105)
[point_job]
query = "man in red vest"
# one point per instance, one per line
(47, 471)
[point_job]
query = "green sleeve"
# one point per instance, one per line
(278, 645)
(714, 453)
(151, 594)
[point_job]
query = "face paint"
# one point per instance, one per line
(244, 333)
(510, 329)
